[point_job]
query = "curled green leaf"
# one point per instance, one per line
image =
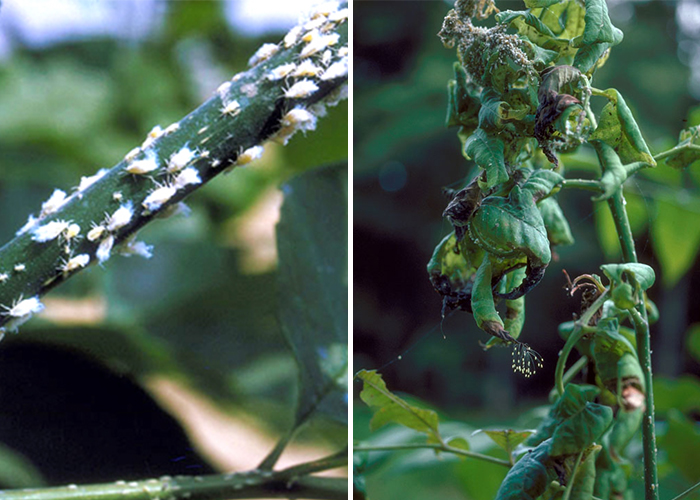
(528, 478)
(558, 230)
(618, 129)
(483, 306)
(614, 172)
(463, 101)
(487, 151)
(687, 151)
(640, 276)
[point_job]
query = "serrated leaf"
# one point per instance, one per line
(507, 439)
(487, 151)
(312, 249)
(676, 250)
(527, 479)
(388, 407)
(618, 129)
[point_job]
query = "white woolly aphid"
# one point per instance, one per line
(158, 197)
(281, 71)
(339, 15)
(120, 218)
(134, 247)
(86, 182)
(301, 89)
(249, 155)
(96, 232)
(21, 311)
(154, 134)
(306, 68)
(266, 51)
(293, 35)
(232, 108)
(319, 43)
(54, 203)
(338, 69)
(49, 231)
(180, 159)
(104, 249)
(75, 263)
(143, 166)
(188, 176)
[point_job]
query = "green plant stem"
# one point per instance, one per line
(575, 368)
(676, 149)
(440, 447)
(573, 339)
(641, 327)
(253, 484)
(687, 492)
(572, 478)
(244, 113)
(587, 184)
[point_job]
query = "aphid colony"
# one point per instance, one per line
(316, 64)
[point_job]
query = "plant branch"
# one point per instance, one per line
(107, 209)
(440, 447)
(253, 484)
(676, 149)
(641, 327)
(334, 461)
(573, 339)
(588, 184)
(572, 477)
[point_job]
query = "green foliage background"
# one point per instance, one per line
(401, 73)
(72, 406)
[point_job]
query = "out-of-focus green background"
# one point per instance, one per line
(194, 330)
(403, 156)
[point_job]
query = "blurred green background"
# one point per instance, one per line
(403, 156)
(193, 330)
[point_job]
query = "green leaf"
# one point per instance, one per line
(625, 426)
(495, 113)
(618, 129)
(16, 471)
(682, 394)
(487, 151)
(681, 442)
(584, 481)
(688, 138)
(528, 478)
(312, 249)
(599, 28)
(676, 250)
(581, 429)
(588, 56)
(639, 275)
(459, 442)
(483, 306)
(507, 439)
(533, 4)
(388, 407)
(558, 230)
(463, 102)
(692, 340)
(511, 226)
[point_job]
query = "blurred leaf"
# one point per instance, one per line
(693, 341)
(688, 138)
(313, 285)
(682, 442)
(388, 407)
(459, 443)
(682, 394)
(676, 250)
(16, 471)
(507, 439)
